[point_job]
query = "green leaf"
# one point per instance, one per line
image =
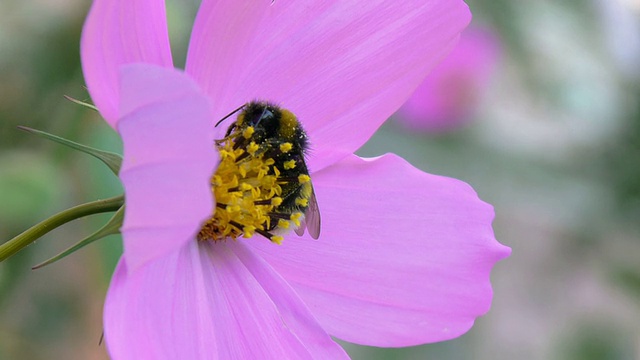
(112, 227)
(82, 103)
(112, 160)
(32, 234)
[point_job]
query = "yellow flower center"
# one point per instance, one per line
(247, 189)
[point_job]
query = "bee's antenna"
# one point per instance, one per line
(229, 114)
(264, 111)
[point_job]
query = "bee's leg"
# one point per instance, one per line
(276, 216)
(242, 156)
(288, 180)
(240, 142)
(264, 233)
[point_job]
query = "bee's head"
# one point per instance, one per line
(268, 120)
(259, 115)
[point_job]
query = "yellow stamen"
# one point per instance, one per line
(246, 192)
(295, 217)
(252, 148)
(248, 132)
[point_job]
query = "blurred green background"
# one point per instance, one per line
(554, 146)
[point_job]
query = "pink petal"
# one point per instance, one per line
(451, 93)
(119, 32)
(403, 258)
(169, 158)
(210, 301)
(342, 66)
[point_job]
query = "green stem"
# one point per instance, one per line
(19, 242)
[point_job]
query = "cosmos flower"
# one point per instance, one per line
(450, 95)
(404, 257)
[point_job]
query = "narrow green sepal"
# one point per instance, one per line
(81, 103)
(112, 160)
(112, 227)
(35, 232)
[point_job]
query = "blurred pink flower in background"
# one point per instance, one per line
(451, 93)
(404, 257)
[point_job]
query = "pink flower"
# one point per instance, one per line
(450, 95)
(404, 257)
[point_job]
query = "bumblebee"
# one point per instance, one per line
(262, 184)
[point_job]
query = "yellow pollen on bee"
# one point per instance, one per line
(286, 147)
(306, 191)
(288, 165)
(302, 202)
(295, 217)
(302, 178)
(283, 224)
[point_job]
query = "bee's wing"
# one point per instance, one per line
(300, 229)
(311, 219)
